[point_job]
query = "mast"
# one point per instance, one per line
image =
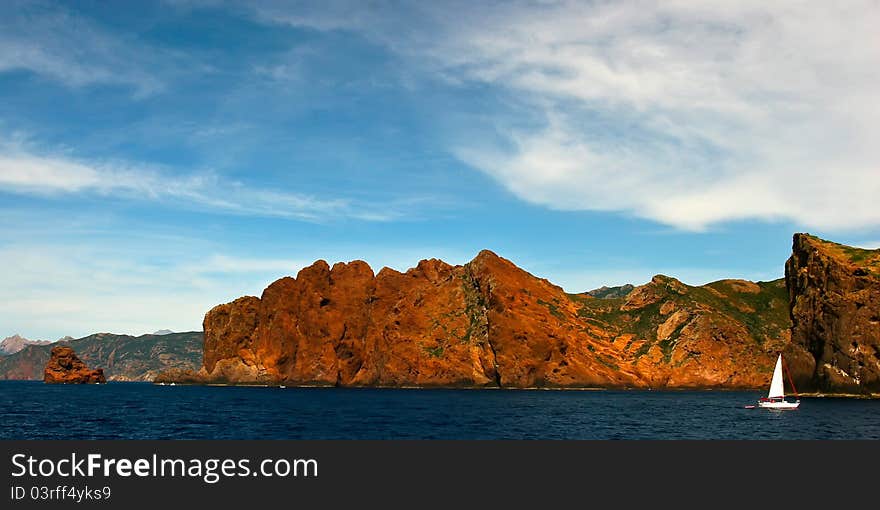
(790, 380)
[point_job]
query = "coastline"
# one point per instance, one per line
(868, 396)
(860, 396)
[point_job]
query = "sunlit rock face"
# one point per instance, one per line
(489, 323)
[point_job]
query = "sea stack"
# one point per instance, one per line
(64, 367)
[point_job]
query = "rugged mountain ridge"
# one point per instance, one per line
(123, 357)
(835, 310)
(15, 343)
(489, 323)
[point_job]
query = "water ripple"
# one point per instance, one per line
(33, 410)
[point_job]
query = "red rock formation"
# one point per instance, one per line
(489, 323)
(425, 329)
(65, 368)
(536, 333)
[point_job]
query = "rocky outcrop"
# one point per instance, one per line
(65, 368)
(835, 312)
(489, 323)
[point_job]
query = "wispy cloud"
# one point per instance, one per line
(25, 172)
(55, 43)
(686, 113)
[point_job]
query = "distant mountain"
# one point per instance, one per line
(163, 332)
(123, 357)
(15, 343)
(612, 292)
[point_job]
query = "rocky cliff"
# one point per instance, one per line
(835, 312)
(489, 323)
(123, 357)
(64, 367)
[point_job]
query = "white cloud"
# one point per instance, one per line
(686, 113)
(24, 172)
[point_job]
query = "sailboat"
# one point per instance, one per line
(775, 398)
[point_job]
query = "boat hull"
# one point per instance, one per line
(784, 406)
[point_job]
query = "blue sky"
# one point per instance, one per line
(158, 158)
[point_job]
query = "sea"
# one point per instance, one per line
(118, 410)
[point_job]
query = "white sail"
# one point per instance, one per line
(776, 389)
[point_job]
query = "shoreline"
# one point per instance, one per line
(863, 396)
(860, 396)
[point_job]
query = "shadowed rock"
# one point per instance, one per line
(835, 311)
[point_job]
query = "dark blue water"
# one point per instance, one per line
(33, 410)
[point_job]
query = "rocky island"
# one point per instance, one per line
(489, 323)
(64, 367)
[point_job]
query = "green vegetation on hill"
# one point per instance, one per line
(866, 259)
(641, 322)
(765, 313)
(761, 308)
